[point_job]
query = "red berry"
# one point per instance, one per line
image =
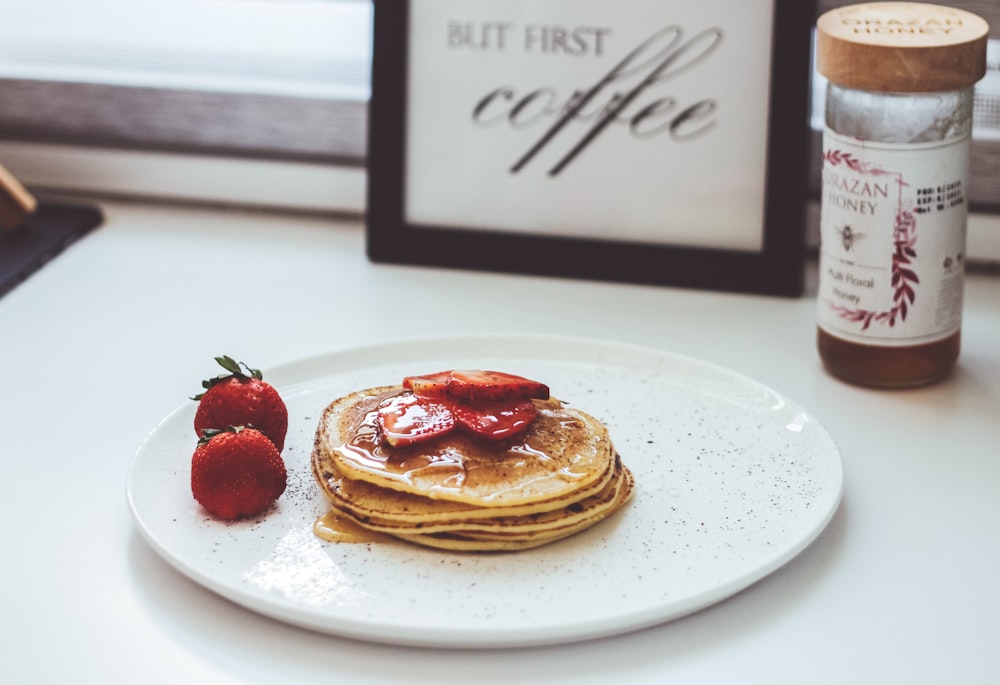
(496, 420)
(491, 404)
(241, 399)
(471, 386)
(406, 419)
(237, 473)
(431, 385)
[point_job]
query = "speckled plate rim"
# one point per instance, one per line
(173, 526)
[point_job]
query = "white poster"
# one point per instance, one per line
(643, 121)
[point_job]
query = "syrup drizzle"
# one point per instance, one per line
(334, 527)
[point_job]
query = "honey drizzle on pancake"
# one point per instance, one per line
(334, 527)
(365, 449)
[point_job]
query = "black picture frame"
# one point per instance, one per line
(775, 268)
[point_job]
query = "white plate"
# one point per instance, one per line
(733, 481)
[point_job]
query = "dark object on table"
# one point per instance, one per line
(42, 235)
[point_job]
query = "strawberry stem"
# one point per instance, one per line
(235, 370)
(210, 433)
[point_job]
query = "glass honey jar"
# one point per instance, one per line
(893, 209)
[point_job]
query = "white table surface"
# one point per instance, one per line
(902, 587)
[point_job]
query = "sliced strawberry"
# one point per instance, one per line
(495, 386)
(496, 420)
(475, 386)
(432, 385)
(406, 419)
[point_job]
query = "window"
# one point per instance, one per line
(277, 85)
(248, 101)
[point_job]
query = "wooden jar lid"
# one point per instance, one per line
(901, 47)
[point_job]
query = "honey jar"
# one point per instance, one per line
(896, 145)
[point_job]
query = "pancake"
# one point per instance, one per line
(542, 517)
(565, 450)
(469, 541)
(365, 500)
(460, 492)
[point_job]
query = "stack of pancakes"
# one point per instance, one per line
(461, 492)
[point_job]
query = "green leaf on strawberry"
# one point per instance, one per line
(235, 369)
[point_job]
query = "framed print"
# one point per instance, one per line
(646, 141)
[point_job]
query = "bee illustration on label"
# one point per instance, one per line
(849, 237)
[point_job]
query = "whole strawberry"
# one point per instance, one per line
(241, 398)
(237, 472)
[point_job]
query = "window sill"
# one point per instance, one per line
(264, 183)
(268, 184)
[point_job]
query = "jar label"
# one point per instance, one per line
(892, 240)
